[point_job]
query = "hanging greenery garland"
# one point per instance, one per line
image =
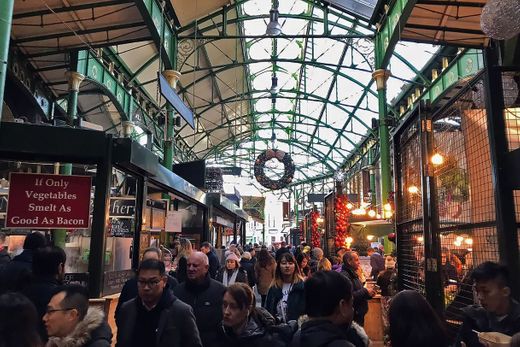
(281, 156)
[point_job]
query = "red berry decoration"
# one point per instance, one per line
(315, 233)
(342, 214)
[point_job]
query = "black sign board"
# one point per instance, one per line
(121, 227)
(176, 102)
(80, 278)
(159, 204)
(122, 207)
(231, 170)
(363, 8)
(315, 197)
(114, 281)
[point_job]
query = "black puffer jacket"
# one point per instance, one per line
(260, 331)
(16, 274)
(206, 301)
(295, 301)
(321, 333)
(359, 293)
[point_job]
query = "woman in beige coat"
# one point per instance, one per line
(264, 271)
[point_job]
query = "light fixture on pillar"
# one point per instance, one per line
(274, 28)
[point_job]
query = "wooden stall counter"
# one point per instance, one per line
(374, 322)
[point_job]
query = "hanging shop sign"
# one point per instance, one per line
(48, 201)
(122, 207)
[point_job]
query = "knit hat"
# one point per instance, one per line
(232, 256)
(246, 255)
(389, 262)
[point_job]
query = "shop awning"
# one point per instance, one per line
(379, 228)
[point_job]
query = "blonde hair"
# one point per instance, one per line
(184, 250)
(324, 264)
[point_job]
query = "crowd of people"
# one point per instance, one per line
(193, 298)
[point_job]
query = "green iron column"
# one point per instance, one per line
(75, 79)
(6, 15)
(381, 76)
(172, 77)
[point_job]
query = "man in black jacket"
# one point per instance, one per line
(361, 294)
(16, 274)
(156, 318)
(204, 295)
(48, 269)
(70, 322)
(497, 310)
(214, 264)
(129, 290)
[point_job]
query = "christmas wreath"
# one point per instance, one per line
(284, 158)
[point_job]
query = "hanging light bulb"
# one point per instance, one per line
(349, 206)
(371, 213)
(274, 28)
(273, 140)
(413, 190)
(437, 159)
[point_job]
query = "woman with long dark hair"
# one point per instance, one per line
(285, 299)
(413, 322)
(265, 268)
(18, 322)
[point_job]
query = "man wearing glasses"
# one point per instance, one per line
(70, 322)
(156, 318)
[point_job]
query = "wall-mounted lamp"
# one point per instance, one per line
(437, 159)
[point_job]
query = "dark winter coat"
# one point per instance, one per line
(40, 292)
(130, 292)
(214, 264)
(260, 331)
(241, 276)
(92, 331)
(476, 318)
(176, 327)
(295, 301)
(321, 333)
(206, 301)
(359, 293)
(4, 256)
(377, 262)
(182, 268)
(16, 274)
(248, 265)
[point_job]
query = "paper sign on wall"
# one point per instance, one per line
(173, 222)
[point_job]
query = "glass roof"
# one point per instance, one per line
(324, 101)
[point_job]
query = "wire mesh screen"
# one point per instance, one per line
(464, 196)
(411, 256)
(410, 176)
(511, 88)
(463, 177)
(409, 211)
